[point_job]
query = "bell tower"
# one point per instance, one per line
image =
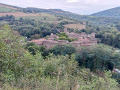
(65, 30)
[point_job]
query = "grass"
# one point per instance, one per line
(75, 26)
(5, 10)
(42, 17)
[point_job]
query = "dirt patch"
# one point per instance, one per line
(19, 14)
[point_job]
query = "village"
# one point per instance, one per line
(82, 39)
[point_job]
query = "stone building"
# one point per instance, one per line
(83, 39)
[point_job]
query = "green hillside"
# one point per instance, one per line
(4, 9)
(7, 8)
(114, 12)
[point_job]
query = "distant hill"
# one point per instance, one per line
(12, 9)
(52, 14)
(8, 8)
(39, 10)
(114, 12)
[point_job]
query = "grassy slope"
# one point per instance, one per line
(75, 26)
(5, 9)
(42, 17)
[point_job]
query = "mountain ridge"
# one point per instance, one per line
(32, 8)
(113, 12)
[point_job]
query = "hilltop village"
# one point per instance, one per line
(82, 39)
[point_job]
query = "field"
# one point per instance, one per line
(41, 16)
(7, 9)
(6, 6)
(75, 26)
(19, 14)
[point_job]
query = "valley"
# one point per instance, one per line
(52, 49)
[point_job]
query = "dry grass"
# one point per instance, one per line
(75, 26)
(19, 14)
(44, 17)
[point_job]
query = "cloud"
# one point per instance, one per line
(92, 1)
(29, 1)
(72, 1)
(95, 0)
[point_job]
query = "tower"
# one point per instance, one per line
(65, 30)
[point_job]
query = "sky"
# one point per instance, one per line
(82, 7)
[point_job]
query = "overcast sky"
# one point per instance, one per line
(75, 6)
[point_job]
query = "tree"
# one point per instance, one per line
(34, 48)
(100, 57)
(12, 54)
(63, 50)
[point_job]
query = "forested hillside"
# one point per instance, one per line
(114, 12)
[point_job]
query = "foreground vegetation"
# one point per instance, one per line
(21, 70)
